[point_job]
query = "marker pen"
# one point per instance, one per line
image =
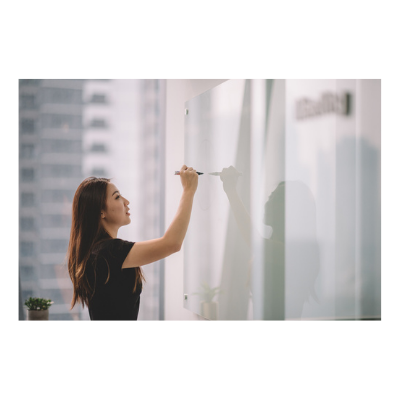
(179, 172)
(219, 173)
(210, 173)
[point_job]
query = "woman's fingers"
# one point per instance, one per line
(185, 168)
(189, 178)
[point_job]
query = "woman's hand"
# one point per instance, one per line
(189, 179)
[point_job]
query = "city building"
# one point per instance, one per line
(50, 170)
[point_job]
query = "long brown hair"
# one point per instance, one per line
(86, 232)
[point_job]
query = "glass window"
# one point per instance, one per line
(98, 148)
(26, 293)
(98, 123)
(27, 125)
(27, 151)
(57, 196)
(60, 171)
(61, 121)
(61, 146)
(61, 96)
(54, 246)
(29, 82)
(27, 223)
(55, 221)
(27, 199)
(27, 101)
(27, 249)
(27, 174)
(98, 98)
(51, 271)
(27, 272)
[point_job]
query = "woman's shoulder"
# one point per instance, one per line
(110, 246)
(101, 245)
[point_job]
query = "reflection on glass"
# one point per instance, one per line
(279, 286)
(277, 225)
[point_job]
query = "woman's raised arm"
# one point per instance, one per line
(149, 251)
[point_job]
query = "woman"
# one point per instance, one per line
(105, 271)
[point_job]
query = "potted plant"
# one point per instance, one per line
(208, 307)
(38, 308)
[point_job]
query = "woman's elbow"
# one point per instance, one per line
(176, 247)
(172, 247)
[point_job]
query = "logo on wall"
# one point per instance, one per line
(327, 104)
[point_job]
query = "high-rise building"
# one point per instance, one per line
(50, 171)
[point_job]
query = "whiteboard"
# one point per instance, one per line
(277, 227)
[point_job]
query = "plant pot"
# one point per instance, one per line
(209, 310)
(38, 315)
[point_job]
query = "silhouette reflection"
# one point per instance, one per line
(290, 255)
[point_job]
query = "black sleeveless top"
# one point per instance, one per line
(113, 298)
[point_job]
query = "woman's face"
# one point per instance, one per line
(116, 213)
